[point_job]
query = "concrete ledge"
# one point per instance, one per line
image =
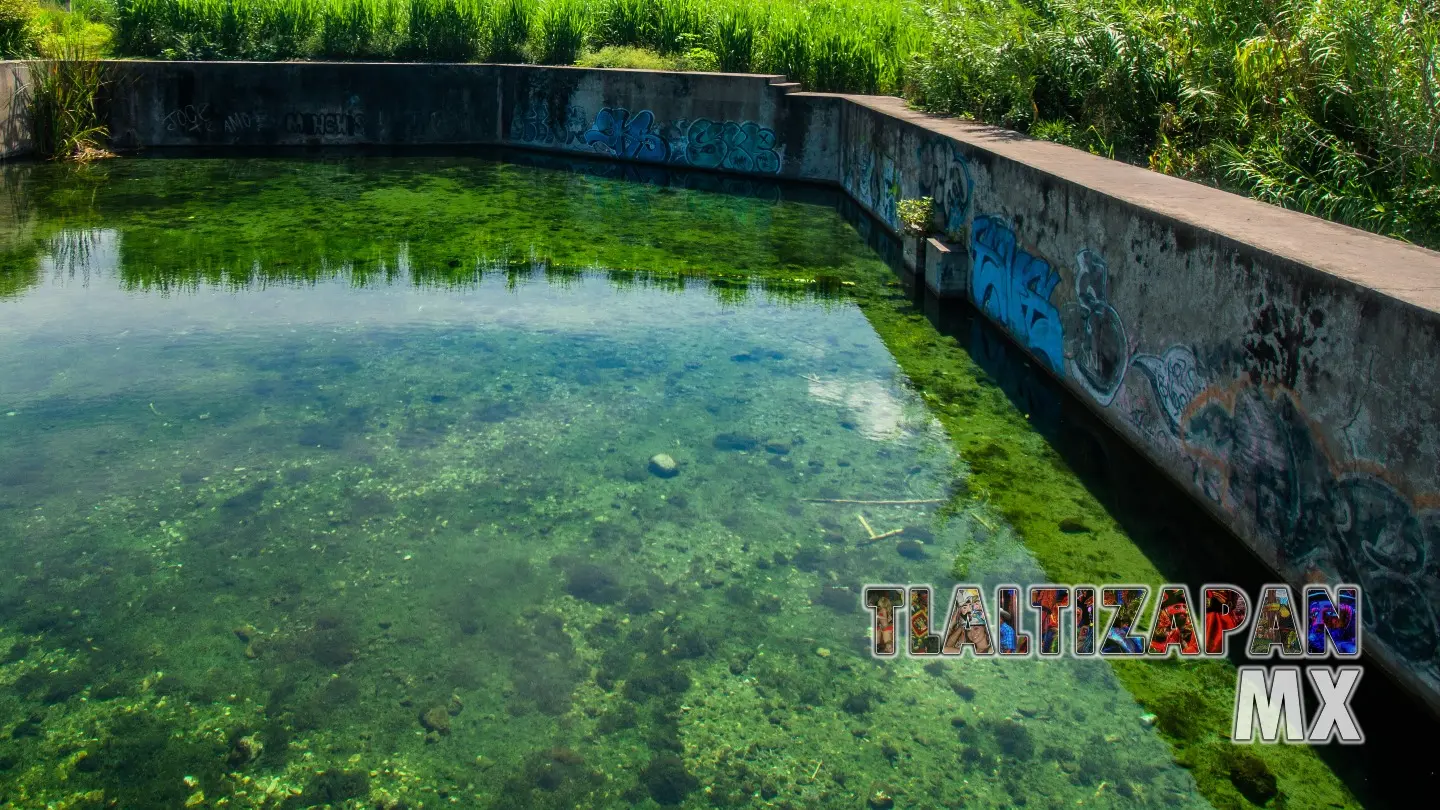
(1280, 368)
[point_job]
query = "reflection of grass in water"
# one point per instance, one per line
(446, 222)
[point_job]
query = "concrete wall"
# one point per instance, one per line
(1282, 369)
(712, 121)
(15, 135)
(1279, 368)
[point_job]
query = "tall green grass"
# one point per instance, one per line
(65, 90)
(859, 45)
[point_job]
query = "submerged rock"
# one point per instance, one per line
(735, 442)
(245, 750)
(911, 549)
(594, 584)
(1252, 777)
(664, 466)
(436, 719)
(667, 780)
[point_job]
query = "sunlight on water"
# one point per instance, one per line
(280, 532)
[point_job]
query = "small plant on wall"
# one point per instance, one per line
(917, 215)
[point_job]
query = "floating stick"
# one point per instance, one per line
(872, 503)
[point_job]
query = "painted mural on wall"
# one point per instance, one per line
(740, 146)
(1013, 287)
(1234, 415)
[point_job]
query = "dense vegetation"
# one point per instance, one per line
(1326, 106)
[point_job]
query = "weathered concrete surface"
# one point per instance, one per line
(15, 133)
(1279, 367)
(702, 120)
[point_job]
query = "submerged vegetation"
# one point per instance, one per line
(293, 607)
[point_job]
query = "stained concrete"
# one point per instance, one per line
(15, 131)
(1279, 368)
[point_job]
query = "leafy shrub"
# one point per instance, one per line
(623, 56)
(17, 33)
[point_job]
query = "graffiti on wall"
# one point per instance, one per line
(1260, 456)
(875, 182)
(1013, 287)
(939, 170)
(617, 133)
(1230, 415)
(945, 177)
(193, 119)
(532, 124)
(1237, 421)
(740, 146)
(332, 124)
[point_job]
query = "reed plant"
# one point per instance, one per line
(560, 29)
(65, 90)
(508, 30)
(732, 39)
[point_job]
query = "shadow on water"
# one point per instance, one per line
(1190, 546)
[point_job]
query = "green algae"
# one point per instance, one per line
(304, 514)
(1035, 490)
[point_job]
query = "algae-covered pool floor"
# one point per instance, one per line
(329, 483)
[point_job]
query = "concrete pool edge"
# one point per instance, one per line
(1276, 375)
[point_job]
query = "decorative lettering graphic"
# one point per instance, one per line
(1127, 602)
(1013, 638)
(1050, 601)
(1226, 611)
(1014, 287)
(922, 641)
(884, 602)
(1334, 620)
(1275, 625)
(1085, 620)
(967, 626)
(1174, 624)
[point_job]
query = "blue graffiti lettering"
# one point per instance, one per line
(1014, 287)
(616, 132)
(746, 147)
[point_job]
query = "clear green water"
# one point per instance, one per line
(325, 482)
